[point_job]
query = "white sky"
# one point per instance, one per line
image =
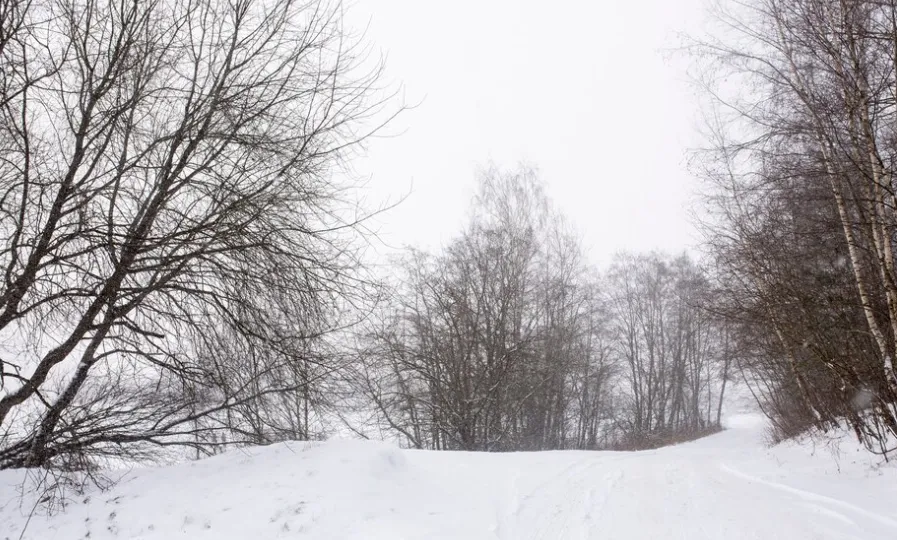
(584, 90)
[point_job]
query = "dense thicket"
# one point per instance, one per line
(803, 207)
(508, 340)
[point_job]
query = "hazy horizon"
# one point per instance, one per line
(608, 130)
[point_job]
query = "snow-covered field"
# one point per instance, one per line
(727, 486)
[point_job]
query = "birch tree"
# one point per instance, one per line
(819, 112)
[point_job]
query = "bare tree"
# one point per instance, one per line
(171, 226)
(498, 342)
(668, 344)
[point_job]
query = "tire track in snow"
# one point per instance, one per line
(815, 497)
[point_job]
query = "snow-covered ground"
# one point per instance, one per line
(727, 486)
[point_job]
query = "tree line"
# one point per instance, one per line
(181, 266)
(802, 221)
(182, 253)
(507, 339)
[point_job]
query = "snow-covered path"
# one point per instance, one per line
(709, 489)
(727, 486)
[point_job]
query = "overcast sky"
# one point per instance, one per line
(584, 90)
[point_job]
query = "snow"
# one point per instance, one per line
(727, 486)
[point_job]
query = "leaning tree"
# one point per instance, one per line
(172, 226)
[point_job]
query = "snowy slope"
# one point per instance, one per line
(726, 486)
